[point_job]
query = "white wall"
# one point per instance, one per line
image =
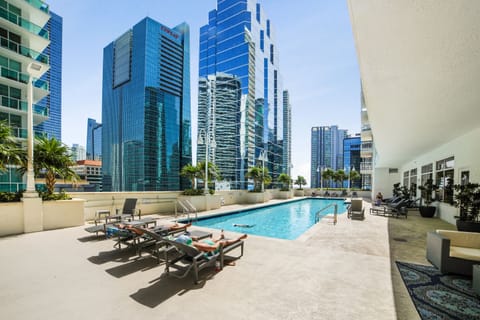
(383, 182)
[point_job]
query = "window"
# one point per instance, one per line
(413, 182)
(427, 173)
(444, 179)
(406, 175)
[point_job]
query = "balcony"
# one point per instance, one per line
(24, 51)
(39, 5)
(23, 23)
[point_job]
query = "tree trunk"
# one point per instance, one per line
(50, 182)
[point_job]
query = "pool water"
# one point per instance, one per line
(283, 221)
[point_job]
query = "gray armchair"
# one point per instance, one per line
(453, 251)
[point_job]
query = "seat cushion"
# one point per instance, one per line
(462, 239)
(465, 253)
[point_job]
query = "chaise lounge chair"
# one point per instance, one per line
(184, 258)
(395, 209)
(356, 210)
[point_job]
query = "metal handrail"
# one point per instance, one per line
(317, 215)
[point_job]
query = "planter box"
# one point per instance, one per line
(299, 193)
(63, 213)
(255, 197)
(285, 194)
(202, 203)
(11, 215)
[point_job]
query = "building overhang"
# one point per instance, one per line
(420, 70)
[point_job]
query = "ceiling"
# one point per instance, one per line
(420, 69)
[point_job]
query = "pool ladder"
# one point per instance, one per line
(317, 215)
(188, 208)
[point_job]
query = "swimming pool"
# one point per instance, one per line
(284, 221)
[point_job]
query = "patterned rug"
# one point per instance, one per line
(438, 296)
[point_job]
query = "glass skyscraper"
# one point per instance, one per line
(94, 140)
(326, 151)
(238, 42)
(146, 137)
(52, 127)
(351, 158)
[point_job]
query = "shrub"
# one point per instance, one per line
(10, 196)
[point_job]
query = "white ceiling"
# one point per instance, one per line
(420, 68)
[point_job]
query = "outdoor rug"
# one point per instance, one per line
(438, 296)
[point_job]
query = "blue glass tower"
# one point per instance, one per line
(238, 42)
(53, 102)
(94, 140)
(146, 137)
(351, 157)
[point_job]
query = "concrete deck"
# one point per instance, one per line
(345, 271)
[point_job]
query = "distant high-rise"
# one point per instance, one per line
(52, 127)
(326, 151)
(146, 120)
(238, 41)
(351, 158)
(78, 152)
(94, 140)
(23, 59)
(287, 134)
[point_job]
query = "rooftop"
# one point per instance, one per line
(345, 271)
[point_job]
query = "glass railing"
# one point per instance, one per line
(39, 5)
(22, 105)
(25, 24)
(24, 51)
(19, 133)
(41, 84)
(14, 75)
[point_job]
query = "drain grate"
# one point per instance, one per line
(400, 239)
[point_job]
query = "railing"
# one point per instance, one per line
(39, 5)
(25, 24)
(24, 51)
(188, 208)
(317, 215)
(22, 105)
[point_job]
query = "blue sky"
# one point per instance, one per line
(318, 62)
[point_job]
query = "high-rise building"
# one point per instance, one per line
(238, 41)
(52, 127)
(146, 121)
(23, 61)
(287, 134)
(326, 152)
(78, 152)
(351, 158)
(94, 140)
(367, 148)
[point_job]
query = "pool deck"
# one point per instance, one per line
(346, 271)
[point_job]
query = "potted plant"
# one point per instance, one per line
(467, 198)
(300, 182)
(427, 211)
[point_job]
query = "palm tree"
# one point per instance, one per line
(327, 175)
(213, 171)
(10, 153)
(300, 182)
(53, 158)
(285, 180)
(354, 175)
(191, 172)
(259, 175)
(339, 176)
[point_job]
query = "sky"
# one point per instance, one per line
(318, 62)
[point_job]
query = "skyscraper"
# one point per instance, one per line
(351, 158)
(287, 133)
(78, 152)
(238, 42)
(326, 151)
(146, 137)
(23, 61)
(94, 140)
(52, 127)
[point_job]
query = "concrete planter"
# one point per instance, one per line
(299, 193)
(11, 215)
(204, 202)
(285, 194)
(63, 214)
(255, 197)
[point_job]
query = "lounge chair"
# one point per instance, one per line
(356, 209)
(184, 258)
(395, 209)
(127, 212)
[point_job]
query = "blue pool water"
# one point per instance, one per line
(284, 221)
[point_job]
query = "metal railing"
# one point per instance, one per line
(187, 209)
(317, 215)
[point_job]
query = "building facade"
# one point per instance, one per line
(89, 171)
(94, 140)
(146, 127)
(52, 127)
(326, 152)
(23, 61)
(287, 134)
(78, 152)
(351, 159)
(239, 42)
(367, 148)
